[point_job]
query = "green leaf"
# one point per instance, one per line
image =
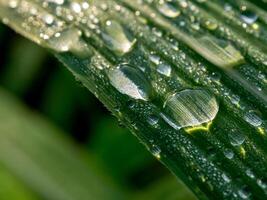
(12, 188)
(188, 78)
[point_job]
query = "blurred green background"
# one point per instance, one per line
(59, 142)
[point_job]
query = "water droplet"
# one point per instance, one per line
(168, 9)
(155, 150)
(252, 118)
(154, 58)
(48, 19)
(244, 193)
(262, 183)
(75, 7)
(13, 3)
(228, 7)
(130, 81)
(191, 107)
(236, 138)
(164, 69)
(218, 52)
(226, 178)
(250, 173)
(153, 120)
(117, 38)
(211, 25)
(248, 16)
(235, 99)
(228, 153)
(70, 40)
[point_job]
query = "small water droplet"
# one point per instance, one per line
(211, 25)
(70, 40)
(244, 193)
(191, 107)
(248, 16)
(164, 69)
(13, 3)
(253, 118)
(228, 153)
(154, 58)
(262, 183)
(168, 9)
(75, 7)
(48, 19)
(155, 150)
(116, 38)
(226, 178)
(130, 81)
(153, 120)
(250, 173)
(236, 138)
(235, 99)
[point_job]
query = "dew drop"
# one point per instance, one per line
(236, 138)
(76, 7)
(262, 183)
(155, 150)
(226, 178)
(13, 3)
(248, 16)
(154, 58)
(164, 69)
(219, 52)
(116, 38)
(228, 153)
(190, 108)
(70, 40)
(130, 81)
(244, 193)
(252, 118)
(250, 173)
(168, 9)
(48, 19)
(211, 25)
(153, 120)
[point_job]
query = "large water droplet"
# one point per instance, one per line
(116, 38)
(168, 9)
(218, 52)
(248, 16)
(253, 118)
(130, 81)
(236, 138)
(190, 108)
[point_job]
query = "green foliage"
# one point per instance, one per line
(188, 78)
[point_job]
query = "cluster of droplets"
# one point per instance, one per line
(44, 28)
(246, 18)
(161, 66)
(90, 19)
